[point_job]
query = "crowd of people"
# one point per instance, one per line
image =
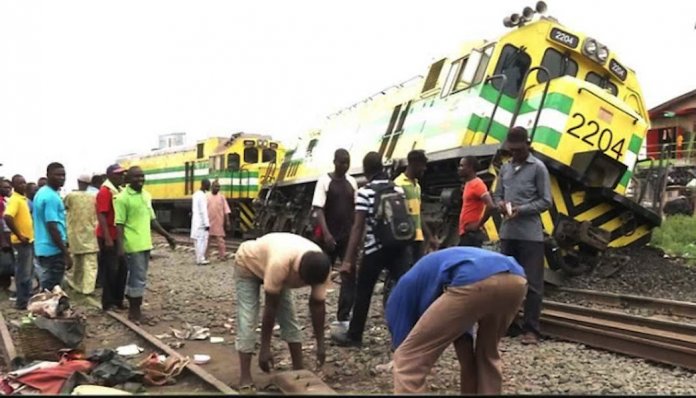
(464, 295)
(102, 231)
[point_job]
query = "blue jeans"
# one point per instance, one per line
(23, 272)
(137, 273)
(53, 270)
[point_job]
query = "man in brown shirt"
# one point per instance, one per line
(281, 262)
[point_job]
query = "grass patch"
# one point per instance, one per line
(676, 236)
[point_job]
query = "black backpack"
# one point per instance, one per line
(393, 226)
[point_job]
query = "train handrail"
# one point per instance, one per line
(522, 93)
(543, 99)
(497, 101)
(635, 119)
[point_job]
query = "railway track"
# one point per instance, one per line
(659, 340)
(288, 382)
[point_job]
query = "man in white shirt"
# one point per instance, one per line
(200, 224)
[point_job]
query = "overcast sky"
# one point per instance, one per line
(82, 82)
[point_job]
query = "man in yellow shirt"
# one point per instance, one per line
(18, 220)
(81, 218)
(409, 181)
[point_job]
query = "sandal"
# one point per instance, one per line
(247, 389)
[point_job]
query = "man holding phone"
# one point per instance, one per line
(522, 193)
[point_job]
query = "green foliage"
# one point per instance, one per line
(676, 236)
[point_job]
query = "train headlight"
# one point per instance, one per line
(590, 47)
(602, 54)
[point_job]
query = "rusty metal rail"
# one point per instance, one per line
(661, 306)
(657, 340)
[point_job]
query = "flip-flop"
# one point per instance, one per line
(247, 389)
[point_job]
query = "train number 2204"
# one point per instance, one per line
(591, 133)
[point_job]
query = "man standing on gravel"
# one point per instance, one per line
(522, 193)
(438, 302)
(82, 221)
(219, 216)
(334, 204)
(135, 219)
(114, 269)
(280, 262)
(200, 224)
(18, 219)
(50, 236)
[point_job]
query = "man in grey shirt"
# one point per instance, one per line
(522, 193)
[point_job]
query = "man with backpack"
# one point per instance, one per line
(334, 203)
(409, 182)
(381, 211)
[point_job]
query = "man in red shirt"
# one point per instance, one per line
(114, 268)
(476, 204)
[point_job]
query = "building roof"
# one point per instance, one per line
(657, 111)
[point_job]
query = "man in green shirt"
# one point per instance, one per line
(134, 220)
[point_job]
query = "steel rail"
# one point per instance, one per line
(662, 306)
(191, 367)
(660, 341)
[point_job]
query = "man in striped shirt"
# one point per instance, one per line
(375, 257)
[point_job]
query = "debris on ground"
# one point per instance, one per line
(191, 332)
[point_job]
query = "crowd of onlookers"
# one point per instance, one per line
(461, 295)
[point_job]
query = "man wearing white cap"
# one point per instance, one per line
(82, 221)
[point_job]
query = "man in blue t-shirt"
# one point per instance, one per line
(438, 302)
(49, 229)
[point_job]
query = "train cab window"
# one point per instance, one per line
(602, 82)
(433, 75)
(233, 163)
(558, 65)
(199, 151)
(483, 64)
(513, 63)
(454, 71)
(268, 155)
(251, 155)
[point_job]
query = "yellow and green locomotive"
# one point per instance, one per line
(582, 106)
(241, 163)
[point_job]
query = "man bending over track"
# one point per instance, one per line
(437, 303)
(281, 262)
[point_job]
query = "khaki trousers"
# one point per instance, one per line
(492, 303)
(84, 272)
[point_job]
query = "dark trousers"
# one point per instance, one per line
(53, 271)
(396, 262)
(114, 274)
(415, 251)
(346, 296)
(23, 272)
(530, 255)
(472, 238)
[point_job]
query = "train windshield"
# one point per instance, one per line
(513, 63)
(557, 64)
(268, 155)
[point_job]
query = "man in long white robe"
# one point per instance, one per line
(200, 224)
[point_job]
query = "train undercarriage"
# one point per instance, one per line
(581, 225)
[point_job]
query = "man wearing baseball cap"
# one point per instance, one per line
(114, 269)
(81, 221)
(522, 193)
